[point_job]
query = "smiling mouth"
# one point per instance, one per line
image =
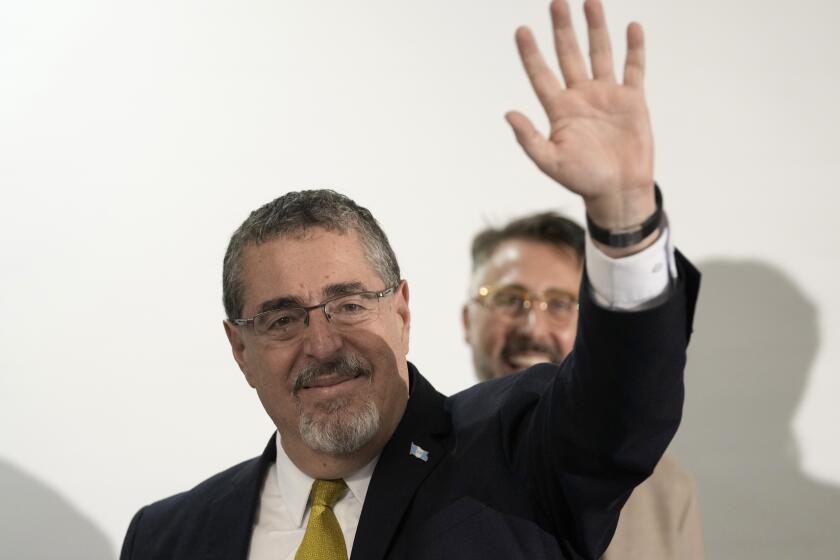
(522, 360)
(329, 380)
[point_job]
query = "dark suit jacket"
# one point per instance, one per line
(535, 465)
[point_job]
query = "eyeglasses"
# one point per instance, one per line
(286, 323)
(514, 302)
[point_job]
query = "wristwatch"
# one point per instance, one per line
(630, 236)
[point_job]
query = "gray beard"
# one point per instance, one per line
(338, 427)
(337, 430)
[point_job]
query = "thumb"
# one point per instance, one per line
(532, 141)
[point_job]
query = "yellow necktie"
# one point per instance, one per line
(323, 539)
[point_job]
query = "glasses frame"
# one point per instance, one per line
(323, 305)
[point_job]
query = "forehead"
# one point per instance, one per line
(304, 267)
(534, 265)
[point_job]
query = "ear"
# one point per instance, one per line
(403, 311)
(465, 321)
(237, 346)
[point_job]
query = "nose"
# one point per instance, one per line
(535, 320)
(538, 325)
(320, 339)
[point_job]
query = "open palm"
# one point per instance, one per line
(600, 144)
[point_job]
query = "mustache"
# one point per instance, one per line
(518, 343)
(348, 364)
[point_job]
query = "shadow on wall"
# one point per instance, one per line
(754, 341)
(36, 523)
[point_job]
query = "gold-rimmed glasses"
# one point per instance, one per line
(514, 301)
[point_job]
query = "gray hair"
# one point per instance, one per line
(294, 213)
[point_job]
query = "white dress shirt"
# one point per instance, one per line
(628, 283)
(635, 282)
(283, 512)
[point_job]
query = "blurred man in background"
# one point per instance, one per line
(522, 311)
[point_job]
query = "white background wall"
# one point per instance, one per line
(135, 137)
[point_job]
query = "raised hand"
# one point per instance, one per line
(600, 143)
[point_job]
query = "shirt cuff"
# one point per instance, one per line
(635, 282)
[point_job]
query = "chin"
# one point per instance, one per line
(340, 429)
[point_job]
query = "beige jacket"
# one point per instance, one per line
(661, 520)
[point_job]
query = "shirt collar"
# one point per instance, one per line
(359, 481)
(295, 485)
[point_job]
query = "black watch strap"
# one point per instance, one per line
(626, 238)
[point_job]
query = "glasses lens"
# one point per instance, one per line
(353, 309)
(509, 300)
(281, 324)
(560, 304)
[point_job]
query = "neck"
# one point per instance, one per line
(327, 466)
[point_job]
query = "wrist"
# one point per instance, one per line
(623, 241)
(623, 210)
(618, 252)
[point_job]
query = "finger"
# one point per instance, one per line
(600, 49)
(532, 141)
(634, 66)
(543, 80)
(566, 45)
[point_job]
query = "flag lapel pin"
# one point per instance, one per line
(418, 452)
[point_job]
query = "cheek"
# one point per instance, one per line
(390, 393)
(491, 338)
(386, 341)
(567, 337)
(395, 336)
(383, 351)
(269, 369)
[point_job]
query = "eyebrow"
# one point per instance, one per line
(282, 302)
(329, 292)
(343, 289)
(515, 286)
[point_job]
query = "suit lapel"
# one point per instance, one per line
(232, 514)
(398, 473)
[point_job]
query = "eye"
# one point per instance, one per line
(350, 307)
(280, 322)
(281, 319)
(508, 299)
(560, 303)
